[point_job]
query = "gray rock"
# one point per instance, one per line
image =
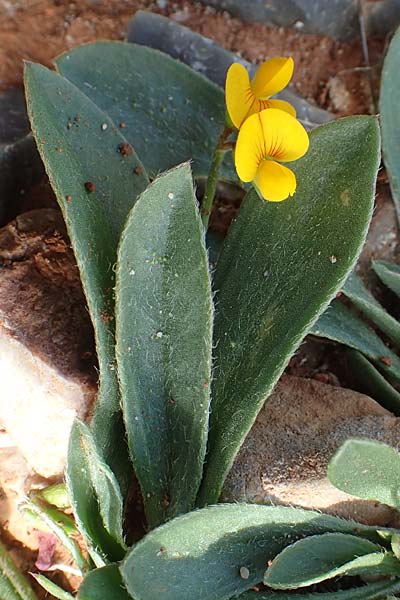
(382, 17)
(20, 164)
(336, 18)
(205, 56)
(285, 456)
(46, 340)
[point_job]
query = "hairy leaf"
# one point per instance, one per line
(96, 177)
(367, 469)
(170, 113)
(390, 117)
(320, 557)
(356, 291)
(371, 382)
(96, 498)
(389, 274)
(280, 266)
(164, 339)
(13, 585)
(103, 584)
(340, 324)
(378, 590)
(220, 551)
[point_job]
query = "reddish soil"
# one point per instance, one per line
(327, 72)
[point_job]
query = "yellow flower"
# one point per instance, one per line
(244, 98)
(266, 139)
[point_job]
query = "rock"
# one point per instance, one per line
(20, 164)
(382, 17)
(17, 478)
(336, 18)
(205, 56)
(46, 340)
(285, 456)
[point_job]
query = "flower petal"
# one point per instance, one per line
(285, 139)
(249, 150)
(282, 105)
(272, 76)
(239, 97)
(274, 182)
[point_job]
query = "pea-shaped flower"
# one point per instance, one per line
(265, 140)
(245, 97)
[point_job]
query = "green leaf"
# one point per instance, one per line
(389, 274)
(356, 291)
(372, 591)
(280, 266)
(321, 557)
(390, 117)
(164, 340)
(56, 494)
(47, 516)
(172, 114)
(220, 551)
(51, 587)
(96, 498)
(367, 469)
(13, 585)
(372, 382)
(77, 150)
(339, 324)
(103, 584)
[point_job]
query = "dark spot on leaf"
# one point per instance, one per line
(386, 360)
(68, 197)
(90, 186)
(138, 170)
(122, 125)
(125, 149)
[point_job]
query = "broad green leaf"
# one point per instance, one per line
(220, 551)
(80, 145)
(356, 291)
(320, 557)
(390, 116)
(378, 590)
(367, 469)
(389, 274)
(172, 114)
(96, 498)
(103, 584)
(280, 266)
(340, 324)
(52, 588)
(372, 382)
(164, 340)
(13, 585)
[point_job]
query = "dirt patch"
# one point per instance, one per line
(327, 72)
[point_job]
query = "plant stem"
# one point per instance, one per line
(211, 185)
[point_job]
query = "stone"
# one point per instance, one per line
(336, 18)
(206, 57)
(20, 164)
(382, 17)
(46, 340)
(285, 456)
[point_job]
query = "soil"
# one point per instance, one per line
(328, 73)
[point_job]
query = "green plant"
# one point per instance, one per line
(185, 365)
(374, 364)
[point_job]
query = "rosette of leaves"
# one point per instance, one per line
(185, 367)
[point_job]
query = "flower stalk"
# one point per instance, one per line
(222, 147)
